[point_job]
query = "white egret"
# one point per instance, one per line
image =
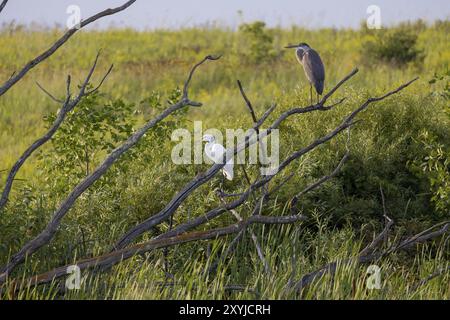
(216, 153)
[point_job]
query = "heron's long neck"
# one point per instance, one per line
(300, 52)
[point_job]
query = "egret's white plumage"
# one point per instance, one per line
(216, 153)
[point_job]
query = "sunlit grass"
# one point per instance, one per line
(343, 214)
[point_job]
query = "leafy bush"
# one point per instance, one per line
(443, 79)
(435, 166)
(93, 129)
(258, 42)
(94, 126)
(396, 47)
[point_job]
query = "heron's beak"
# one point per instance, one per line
(291, 46)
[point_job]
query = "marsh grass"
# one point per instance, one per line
(344, 213)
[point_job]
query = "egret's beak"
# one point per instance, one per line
(291, 46)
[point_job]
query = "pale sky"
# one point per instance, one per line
(145, 14)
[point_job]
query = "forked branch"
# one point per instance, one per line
(204, 177)
(47, 53)
(68, 104)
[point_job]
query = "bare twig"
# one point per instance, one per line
(49, 94)
(323, 179)
(262, 149)
(422, 236)
(383, 235)
(255, 242)
(188, 81)
(215, 212)
(260, 253)
(247, 101)
(255, 121)
(47, 53)
(337, 86)
(101, 81)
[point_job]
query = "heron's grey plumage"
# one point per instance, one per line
(313, 66)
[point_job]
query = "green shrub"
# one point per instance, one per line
(258, 46)
(396, 47)
(444, 92)
(93, 127)
(435, 166)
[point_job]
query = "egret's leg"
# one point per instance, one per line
(317, 98)
(222, 181)
(310, 94)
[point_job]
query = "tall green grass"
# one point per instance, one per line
(345, 212)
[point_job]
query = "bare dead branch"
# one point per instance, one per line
(365, 257)
(383, 235)
(115, 257)
(101, 81)
(53, 225)
(202, 178)
(231, 247)
(186, 84)
(266, 193)
(150, 222)
(229, 207)
(47, 53)
(247, 101)
(280, 184)
(68, 105)
(324, 178)
(255, 121)
(422, 237)
(264, 116)
(260, 253)
(49, 94)
(437, 273)
(337, 86)
(3, 4)
(48, 233)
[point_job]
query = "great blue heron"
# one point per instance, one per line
(313, 66)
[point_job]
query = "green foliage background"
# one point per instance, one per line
(402, 145)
